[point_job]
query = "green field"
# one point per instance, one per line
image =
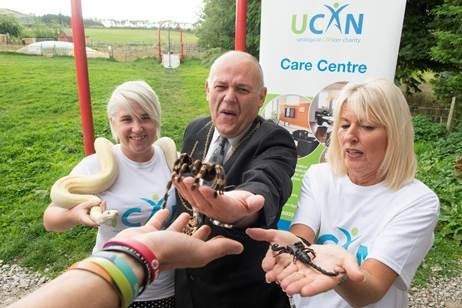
(41, 141)
(137, 36)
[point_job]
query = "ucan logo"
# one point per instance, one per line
(335, 16)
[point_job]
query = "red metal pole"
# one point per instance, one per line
(181, 45)
(78, 33)
(159, 51)
(241, 26)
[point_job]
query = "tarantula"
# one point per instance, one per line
(212, 174)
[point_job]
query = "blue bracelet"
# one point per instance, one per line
(123, 267)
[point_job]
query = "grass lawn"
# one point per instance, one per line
(41, 141)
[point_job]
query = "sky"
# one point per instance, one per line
(152, 10)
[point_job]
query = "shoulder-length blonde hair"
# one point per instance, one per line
(381, 102)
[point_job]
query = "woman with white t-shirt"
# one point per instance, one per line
(134, 117)
(366, 202)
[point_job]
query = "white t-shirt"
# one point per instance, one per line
(136, 194)
(393, 227)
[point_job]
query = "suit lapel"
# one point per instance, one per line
(202, 141)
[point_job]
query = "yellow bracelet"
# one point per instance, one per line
(119, 278)
(123, 267)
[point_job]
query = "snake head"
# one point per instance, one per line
(100, 217)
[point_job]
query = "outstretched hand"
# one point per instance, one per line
(237, 206)
(175, 249)
(299, 278)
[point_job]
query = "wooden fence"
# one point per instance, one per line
(131, 52)
(440, 114)
(125, 52)
(436, 113)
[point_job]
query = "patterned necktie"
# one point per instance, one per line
(218, 155)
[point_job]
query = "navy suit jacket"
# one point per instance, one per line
(263, 164)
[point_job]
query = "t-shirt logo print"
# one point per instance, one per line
(155, 206)
(348, 239)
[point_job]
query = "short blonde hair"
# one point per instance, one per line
(381, 102)
(129, 93)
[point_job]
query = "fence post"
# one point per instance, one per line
(451, 114)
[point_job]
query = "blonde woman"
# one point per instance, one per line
(366, 202)
(134, 117)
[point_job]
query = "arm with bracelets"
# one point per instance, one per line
(114, 276)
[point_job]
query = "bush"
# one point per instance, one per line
(40, 30)
(437, 152)
(9, 24)
(210, 55)
(426, 130)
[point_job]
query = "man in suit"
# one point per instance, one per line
(259, 161)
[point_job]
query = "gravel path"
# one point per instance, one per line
(16, 281)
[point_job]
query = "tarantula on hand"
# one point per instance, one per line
(212, 174)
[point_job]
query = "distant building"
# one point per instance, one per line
(66, 36)
(142, 24)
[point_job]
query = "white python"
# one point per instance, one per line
(70, 190)
(168, 146)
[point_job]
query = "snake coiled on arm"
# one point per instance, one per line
(72, 190)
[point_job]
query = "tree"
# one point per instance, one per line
(448, 49)
(253, 27)
(216, 28)
(9, 24)
(416, 41)
(53, 19)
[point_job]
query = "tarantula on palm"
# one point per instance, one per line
(212, 174)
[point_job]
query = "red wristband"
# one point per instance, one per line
(147, 254)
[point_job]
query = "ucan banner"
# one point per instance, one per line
(309, 49)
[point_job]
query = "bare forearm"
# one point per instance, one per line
(72, 289)
(378, 279)
(57, 219)
(78, 288)
(358, 294)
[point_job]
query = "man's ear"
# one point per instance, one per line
(262, 96)
(207, 91)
